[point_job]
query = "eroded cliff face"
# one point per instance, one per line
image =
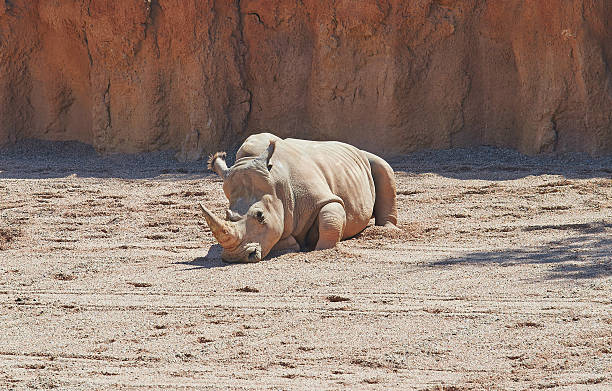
(389, 76)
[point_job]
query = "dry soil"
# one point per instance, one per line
(500, 279)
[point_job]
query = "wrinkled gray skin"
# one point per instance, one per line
(298, 194)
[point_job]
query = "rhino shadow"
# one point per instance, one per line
(209, 261)
(213, 258)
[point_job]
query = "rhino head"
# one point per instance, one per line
(254, 223)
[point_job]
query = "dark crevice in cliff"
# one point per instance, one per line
(86, 41)
(107, 104)
(459, 127)
(154, 9)
(65, 99)
(9, 7)
(160, 112)
(555, 134)
(211, 30)
(250, 103)
(334, 22)
(241, 54)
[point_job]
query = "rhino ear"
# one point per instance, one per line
(269, 152)
(217, 164)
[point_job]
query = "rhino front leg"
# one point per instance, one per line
(289, 243)
(332, 220)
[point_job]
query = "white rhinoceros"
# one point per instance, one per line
(313, 193)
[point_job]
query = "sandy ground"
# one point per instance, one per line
(501, 279)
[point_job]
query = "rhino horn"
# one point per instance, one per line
(223, 231)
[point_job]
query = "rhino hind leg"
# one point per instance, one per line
(331, 222)
(385, 206)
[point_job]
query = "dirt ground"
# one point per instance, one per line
(501, 279)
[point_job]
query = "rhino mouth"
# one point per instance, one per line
(255, 255)
(248, 254)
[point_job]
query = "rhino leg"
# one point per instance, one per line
(331, 220)
(289, 243)
(385, 206)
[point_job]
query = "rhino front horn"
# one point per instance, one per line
(221, 230)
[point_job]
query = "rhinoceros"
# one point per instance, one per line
(290, 192)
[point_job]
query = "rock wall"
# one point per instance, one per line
(388, 75)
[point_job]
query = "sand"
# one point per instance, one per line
(500, 279)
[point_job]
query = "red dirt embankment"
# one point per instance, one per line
(392, 76)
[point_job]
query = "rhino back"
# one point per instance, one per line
(324, 172)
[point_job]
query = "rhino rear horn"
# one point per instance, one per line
(217, 164)
(222, 230)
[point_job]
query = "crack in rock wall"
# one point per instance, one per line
(387, 75)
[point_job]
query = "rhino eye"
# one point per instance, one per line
(259, 216)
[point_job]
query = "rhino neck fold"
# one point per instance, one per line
(284, 192)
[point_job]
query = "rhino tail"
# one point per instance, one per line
(385, 205)
(217, 164)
